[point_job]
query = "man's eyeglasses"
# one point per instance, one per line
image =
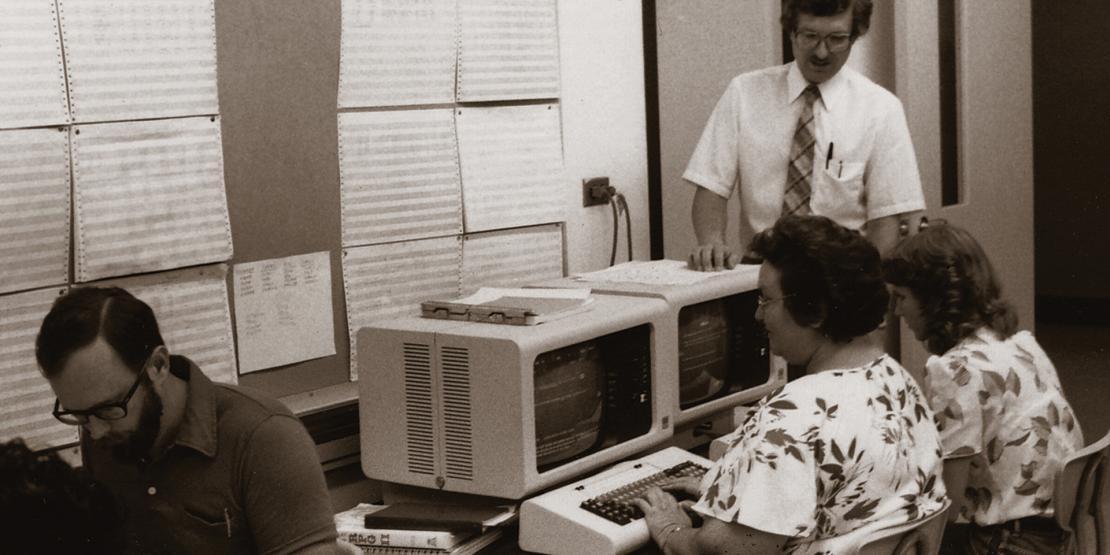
(105, 411)
(761, 301)
(836, 42)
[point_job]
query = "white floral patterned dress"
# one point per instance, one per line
(1001, 401)
(831, 458)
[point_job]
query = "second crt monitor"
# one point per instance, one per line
(709, 340)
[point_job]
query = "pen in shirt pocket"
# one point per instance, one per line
(227, 521)
(828, 156)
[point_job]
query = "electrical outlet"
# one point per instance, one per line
(596, 190)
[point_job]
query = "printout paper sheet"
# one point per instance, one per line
(26, 400)
(512, 166)
(512, 258)
(399, 176)
(659, 272)
(397, 52)
(32, 79)
(149, 195)
(390, 280)
(193, 315)
(283, 311)
(133, 59)
(34, 209)
(508, 50)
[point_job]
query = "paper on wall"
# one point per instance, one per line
(136, 59)
(148, 196)
(26, 400)
(397, 52)
(32, 79)
(34, 209)
(512, 258)
(390, 280)
(398, 176)
(508, 50)
(283, 311)
(512, 166)
(193, 315)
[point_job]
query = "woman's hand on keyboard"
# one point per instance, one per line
(662, 511)
(686, 488)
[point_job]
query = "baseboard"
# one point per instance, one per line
(1073, 310)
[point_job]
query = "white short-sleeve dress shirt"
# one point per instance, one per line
(746, 144)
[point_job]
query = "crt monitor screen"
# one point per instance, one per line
(591, 395)
(721, 349)
(570, 390)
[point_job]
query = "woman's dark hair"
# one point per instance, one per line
(954, 283)
(830, 275)
(50, 507)
(861, 13)
(85, 313)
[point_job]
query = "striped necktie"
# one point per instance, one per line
(800, 172)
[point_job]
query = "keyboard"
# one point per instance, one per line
(593, 515)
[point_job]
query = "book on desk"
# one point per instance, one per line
(413, 528)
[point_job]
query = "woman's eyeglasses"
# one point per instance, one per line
(761, 300)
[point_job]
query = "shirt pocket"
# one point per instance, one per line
(838, 193)
(213, 531)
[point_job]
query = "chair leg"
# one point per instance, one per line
(1099, 509)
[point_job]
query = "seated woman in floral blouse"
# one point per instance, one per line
(1003, 418)
(845, 450)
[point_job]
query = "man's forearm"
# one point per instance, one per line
(710, 216)
(885, 232)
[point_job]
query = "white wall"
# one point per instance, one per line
(873, 55)
(604, 124)
(995, 133)
(703, 44)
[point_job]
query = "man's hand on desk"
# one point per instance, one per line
(713, 257)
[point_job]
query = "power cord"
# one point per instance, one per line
(596, 191)
(616, 226)
(619, 205)
(627, 224)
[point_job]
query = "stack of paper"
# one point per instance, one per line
(498, 305)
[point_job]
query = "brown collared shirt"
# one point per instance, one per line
(242, 476)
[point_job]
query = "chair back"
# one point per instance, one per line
(1081, 498)
(919, 537)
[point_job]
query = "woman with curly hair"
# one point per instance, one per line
(1004, 422)
(847, 449)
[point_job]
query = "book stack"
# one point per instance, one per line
(421, 529)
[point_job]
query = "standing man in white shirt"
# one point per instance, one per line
(808, 137)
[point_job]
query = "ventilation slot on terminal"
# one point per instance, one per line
(458, 439)
(419, 428)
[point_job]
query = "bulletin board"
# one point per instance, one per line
(312, 93)
(198, 137)
(277, 70)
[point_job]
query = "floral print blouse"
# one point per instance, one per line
(831, 458)
(1001, 401)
